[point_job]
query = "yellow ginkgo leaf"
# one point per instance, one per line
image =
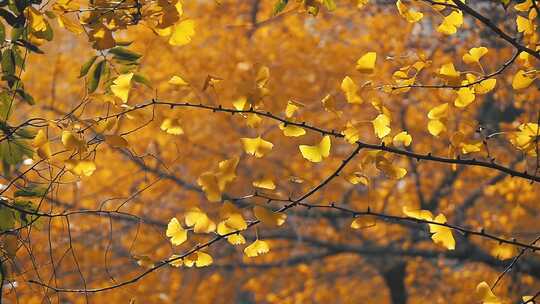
(264, 182)
(175, 260)
(330, 104)
(484, 293)
(357, 178)
(523, 80)
(236, 221)
(465, 96)
(441, 234)
(363, 222)
(366, 63)
(524, 25)
(70, 25)
(257, 248)
(178, 81)
(227, 209)
(234, 239)
(269, 217)
(37, 20)
(467, 148)
(524, 6)
(448, 72)
(361, 3)
(474, 55)
(253, 120)
(351, 91)
(172, 126)
(381, 125)
(418, 214)
(484, 86)
(436, 127)
(292, 131)
(451, 23)
(241, 104)
(528, 299)
(199, 259)
(438, 112)
(226, 172)
(402, 138)
(352, 132)
(182, 32)
(80, 167)
(105, 125)
(175, 231)
(144, 261)
(292, 107)
(200, 222)
(121, 85)
(210, 186)
(409, 14)
(116, 141)
(42, 145)
(263, 75)
(385, 165)
(72, 141)
(318, 152)
(257, 146)
(504, 251)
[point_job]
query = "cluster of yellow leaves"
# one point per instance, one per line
(527, 25)
(292, 130)
(451, 23)
(459, 145)
(257, 146)
(405, 77)
(410, 15)
(230, 226)
(42, 145)
(526, 138)
(383, 161)
(437, 119)
(441, 234)
(214, 182)
(232, 221)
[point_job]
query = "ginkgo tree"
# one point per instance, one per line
(310, 151)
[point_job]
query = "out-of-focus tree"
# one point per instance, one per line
(315, 151)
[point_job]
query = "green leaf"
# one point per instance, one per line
(17, 33)
(25, 133)
(330, 4)
(32, 191)
(2, 32)
(47, 34)
(19, 60)
(86, 66)
(13, 151)
(142, 80)
(95, 77)
(25, 96)
(280, 6)
(6, 108)
(7, 218)
(29, 46)
(124, 54)
(8, 62)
